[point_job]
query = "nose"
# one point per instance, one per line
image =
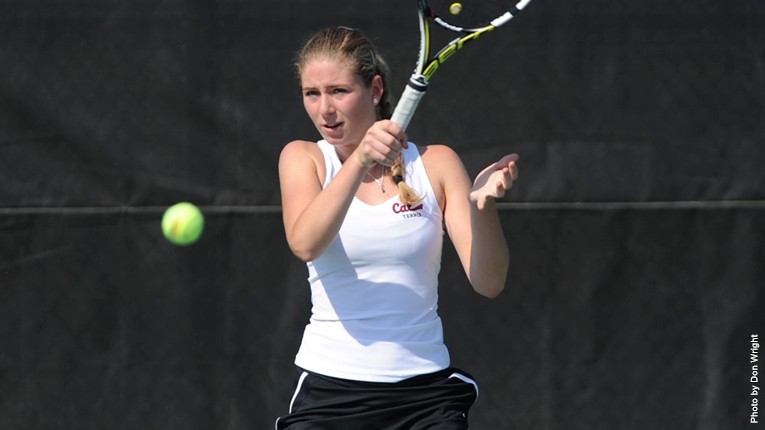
(325, 105)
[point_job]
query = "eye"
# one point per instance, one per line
(339, 91)
(310, 93)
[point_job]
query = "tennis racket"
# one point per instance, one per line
(469, 19)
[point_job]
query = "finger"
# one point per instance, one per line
(507, 159)
(396, 146)
(501, 163)
(513, 157)
(505, 182)
(499, 187)
(480, 204)
(513, 171)
(394, 130)
(390, 153)
(389, 157)
(385, 146)
(376, 151)
(389, 135)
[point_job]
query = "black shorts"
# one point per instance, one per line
(438, 400)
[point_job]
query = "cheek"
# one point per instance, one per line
(362, 108)
(310, 108)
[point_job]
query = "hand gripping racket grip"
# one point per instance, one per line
(411, 97)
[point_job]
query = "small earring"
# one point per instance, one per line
(375, 100)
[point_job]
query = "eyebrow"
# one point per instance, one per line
(328, 87)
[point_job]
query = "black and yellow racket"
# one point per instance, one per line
(469, 19)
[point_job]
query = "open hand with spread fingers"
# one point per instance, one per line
(494, 181)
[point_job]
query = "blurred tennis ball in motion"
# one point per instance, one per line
(182, 223)
(455, 8)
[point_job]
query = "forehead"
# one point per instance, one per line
(327, 71)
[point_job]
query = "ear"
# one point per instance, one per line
(377, 87)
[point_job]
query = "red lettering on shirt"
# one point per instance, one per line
(401, 208)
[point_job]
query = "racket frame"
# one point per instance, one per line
(427, 66)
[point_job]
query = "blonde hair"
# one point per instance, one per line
(354, 48)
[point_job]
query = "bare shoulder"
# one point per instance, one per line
(300, 157)
(440, 159)
(445, 170)
(299, 148)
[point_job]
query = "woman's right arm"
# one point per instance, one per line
(312, 216)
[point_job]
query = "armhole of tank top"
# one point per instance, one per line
(329, 169)
(424, 179)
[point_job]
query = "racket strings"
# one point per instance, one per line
(468, 13)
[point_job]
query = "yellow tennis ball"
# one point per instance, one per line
(182, 223)
(455, 8)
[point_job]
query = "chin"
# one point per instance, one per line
(336, 140)
(332, 140)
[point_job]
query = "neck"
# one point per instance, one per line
(378, 170)
(343, 153)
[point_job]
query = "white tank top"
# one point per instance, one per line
(375, 289)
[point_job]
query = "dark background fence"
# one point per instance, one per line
(636, 230)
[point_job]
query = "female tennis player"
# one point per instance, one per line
(366, 210)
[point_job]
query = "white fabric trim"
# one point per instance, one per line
(466, 379)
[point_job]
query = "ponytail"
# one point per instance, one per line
(406, 194)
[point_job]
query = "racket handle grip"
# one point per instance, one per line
(411, 97)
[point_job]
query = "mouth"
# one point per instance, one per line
(333, 127)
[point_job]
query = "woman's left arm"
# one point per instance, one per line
(471, 218)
